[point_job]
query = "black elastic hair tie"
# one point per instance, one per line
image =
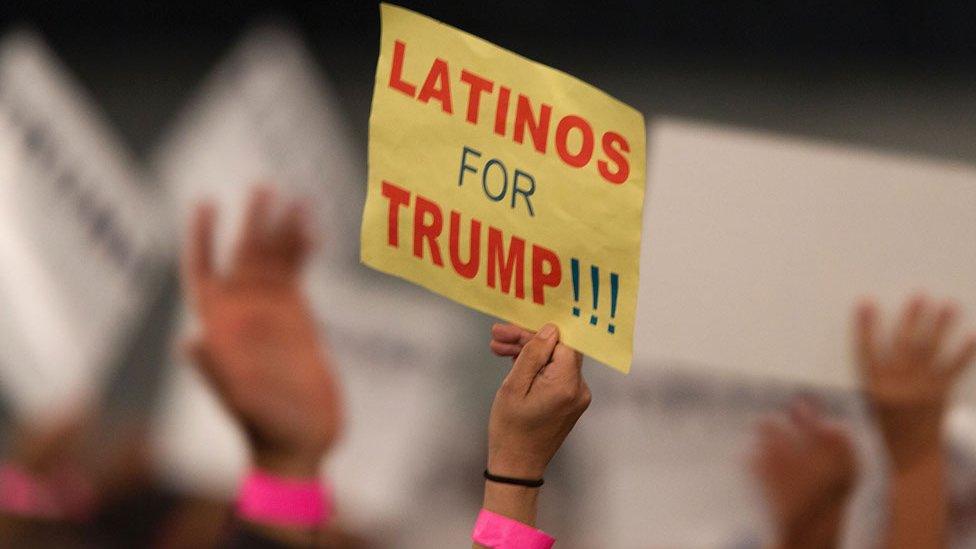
(516, 481)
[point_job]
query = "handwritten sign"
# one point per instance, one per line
(505, 185)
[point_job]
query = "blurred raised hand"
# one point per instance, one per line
(63, 476)
(259, 346)
(907, 379)
(807, 469)
(908, 376)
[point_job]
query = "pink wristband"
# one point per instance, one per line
(281, 501)
(500, 532)
(23, 495)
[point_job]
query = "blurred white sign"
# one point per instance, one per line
(662, 460)
(757, 247)
(77, 236)
(266, 116)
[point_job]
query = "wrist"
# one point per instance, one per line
(516, 502)
(63, 494)
(22, 494)
(288, 465)
(911, 433)
(910, 449)
(909, 462)
(815, 529)
(508, 465)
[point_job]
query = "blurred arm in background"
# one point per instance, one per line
(40, 482)
(907, 379)
(807, 469)
(534, 410)
(259, 348)
(61, 477)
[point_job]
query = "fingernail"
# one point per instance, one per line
(547, 331)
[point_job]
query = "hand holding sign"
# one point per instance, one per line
(505, 185)
(536, 406)
(259, 346)
(508, 339)
(534, 410)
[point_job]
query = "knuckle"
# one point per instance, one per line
(585, 399)
(565, 395)
(506, 389)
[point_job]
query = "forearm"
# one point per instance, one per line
(908, 382)
(918, 503)
(515, 502)
(820, 530)
(18, 531)
(250, 535)
(14, 529)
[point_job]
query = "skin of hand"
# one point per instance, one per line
(54, 454)
(536, 406)
(907, 380)
(41, 448)
(807, 469)
(534, 410)
(508, 339)
(259, 346)
(86, 462)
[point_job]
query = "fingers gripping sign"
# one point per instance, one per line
(508, 339)
(534, 357)
(537, 405)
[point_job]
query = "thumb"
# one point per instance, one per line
(199, 354)
(534, 356)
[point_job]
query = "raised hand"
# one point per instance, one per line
(807, 468)
(907, 380)
(908, 377)
(259, 345)
(534, 410)
(536, 406)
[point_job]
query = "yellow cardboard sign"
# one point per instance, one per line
(505, 185)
